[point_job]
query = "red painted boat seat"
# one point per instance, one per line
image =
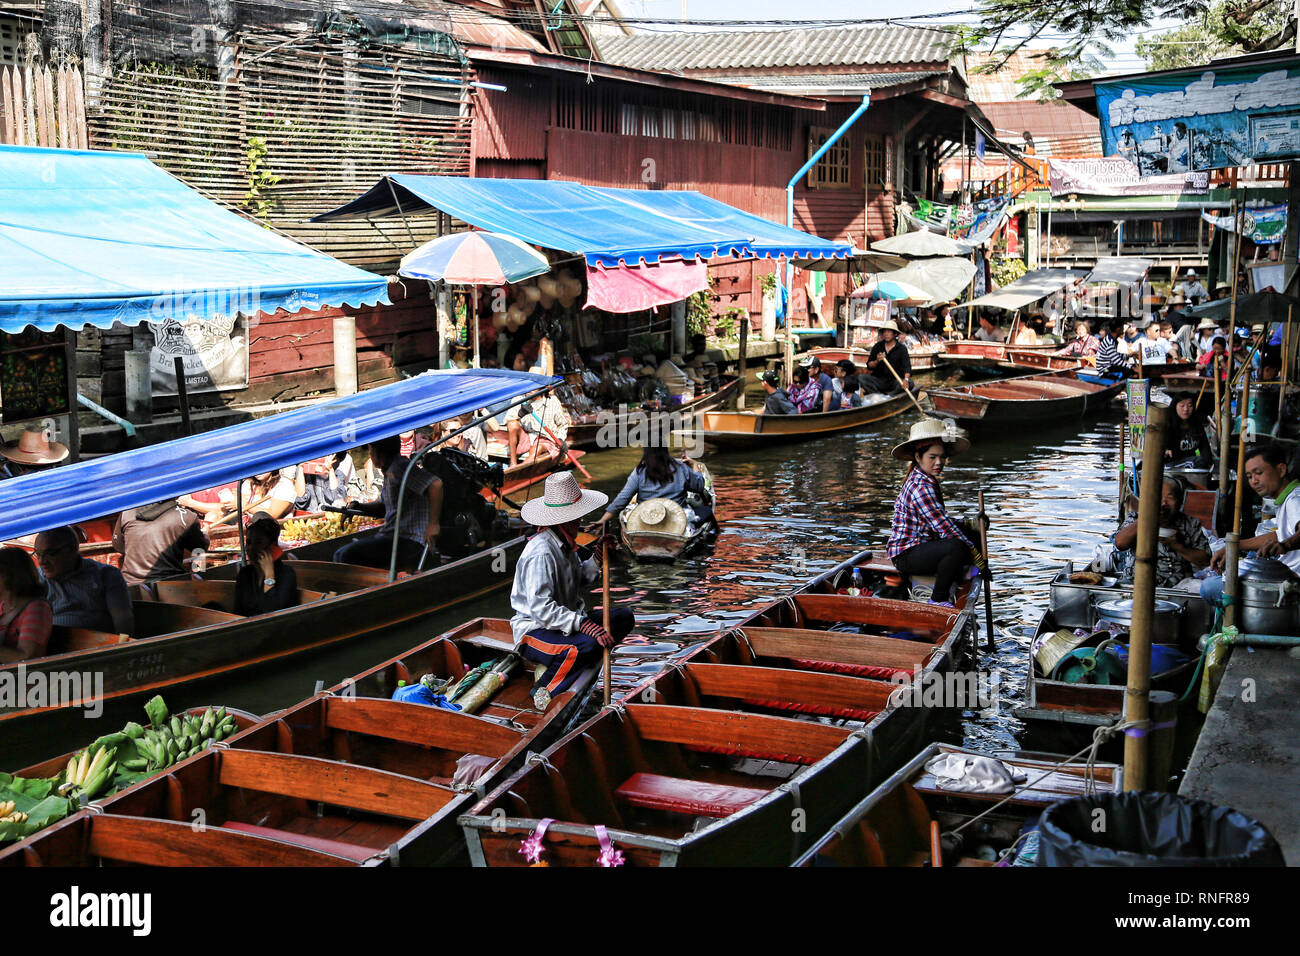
(874, 671)
(692, 797)
(347, 850)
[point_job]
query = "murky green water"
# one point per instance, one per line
(786, 514)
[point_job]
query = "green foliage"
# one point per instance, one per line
(260, 179)
(699, 309)
(1226, 29)
(1007, 270)
(768, 283)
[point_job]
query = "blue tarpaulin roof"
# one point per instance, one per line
(104, 486)
(610, 227)
(93, 238)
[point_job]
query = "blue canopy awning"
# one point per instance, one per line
(609, 227)
(93, 238)
(104, 486)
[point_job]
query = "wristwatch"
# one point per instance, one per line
(268, 583)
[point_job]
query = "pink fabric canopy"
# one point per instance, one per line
(635, 288)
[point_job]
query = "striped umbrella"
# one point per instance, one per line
(879, 287)
(474, 258)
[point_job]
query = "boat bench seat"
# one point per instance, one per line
(692, 797)
(348, 850)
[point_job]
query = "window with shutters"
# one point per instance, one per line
(11, 41)
(832, 170)
(875, 162)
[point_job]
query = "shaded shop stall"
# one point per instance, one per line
(106, 242)
(629, 277)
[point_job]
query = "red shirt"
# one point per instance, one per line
(32, 624)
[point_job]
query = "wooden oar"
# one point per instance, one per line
(988, 577)
(901, 384)
(604, 570)
(561, 445)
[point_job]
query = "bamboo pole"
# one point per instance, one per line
(988, 576)
(1136, 693)
(604, 571)
(884, 360)
(1281, 392)
(1230, 584)
(743, 360)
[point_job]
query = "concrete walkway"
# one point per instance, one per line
(1248, 754)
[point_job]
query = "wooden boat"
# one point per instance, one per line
(179, 641)
(586, 434)
(1015, 401)
(530, 470)
(1043, 361)
(747, 429)
(905, 820)
(991, 355)
(764, 723)
(670, 538)
(348, 777)
(924, 358)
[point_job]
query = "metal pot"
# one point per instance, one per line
(1269, 596)
(1164, 621)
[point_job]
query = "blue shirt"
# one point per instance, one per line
(683, 479)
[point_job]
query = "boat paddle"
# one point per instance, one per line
(987, 575)
(560, 445)
(607, 678)
(903, 385)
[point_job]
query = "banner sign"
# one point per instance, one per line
(971, 224)
(1116, 176)
(1263, 225)
(1139, 390)
(215, 353)
(1186, 121)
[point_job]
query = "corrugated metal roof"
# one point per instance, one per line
(830, 81)
(757, 49)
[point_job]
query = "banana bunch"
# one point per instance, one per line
(327, 526)
(89, 774)
(8, 813)
(179, 738)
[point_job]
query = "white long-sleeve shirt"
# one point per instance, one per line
(547, 592)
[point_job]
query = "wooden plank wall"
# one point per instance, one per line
(42, 107)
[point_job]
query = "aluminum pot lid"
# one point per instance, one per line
(1264, 569)
(1123, 608)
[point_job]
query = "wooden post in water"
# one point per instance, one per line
(1136, 699)
(743, 363)
(1230, 583)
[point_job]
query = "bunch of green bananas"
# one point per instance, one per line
(179, 738)
(89, 774)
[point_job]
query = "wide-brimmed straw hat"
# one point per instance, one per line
(926, 431)
(1207, 324)
(34, 447)
(883, 324)
(657, 516)
(562, 500)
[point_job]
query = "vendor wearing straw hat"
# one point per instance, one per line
(924, 539)
(551, 625)
(33, 451)
(889, 349)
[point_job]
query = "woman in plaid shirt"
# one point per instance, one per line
(924, 540)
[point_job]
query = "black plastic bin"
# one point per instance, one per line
(1152, 829)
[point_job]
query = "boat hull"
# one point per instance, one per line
(1032, 398)
(747, 429)
(587, 435)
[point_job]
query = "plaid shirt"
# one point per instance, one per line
(919, 515)
(1088, 345)
(806, 398)
(415, 506)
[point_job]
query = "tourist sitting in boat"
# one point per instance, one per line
(825, 385)
(33, 451)
(989, 331)
(1108, 357)
(25, 615)
(472, 441)
(266, 582)
(877, 378)
(325, 482)
(211, 504)
(778, 399)
(1188, 441)
(274, 492)
(82, 593)
(803, 391)
(1206, 333)
(421, 513)
(851, 395)
(1084, 344)
(658, 475)
(537, 426)
(551, 625)
(1024, 335)
(1267, 472)
(923, 538)
(1183, 548)
(1218, 354)
(153, 540)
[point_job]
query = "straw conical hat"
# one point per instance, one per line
(657, 516)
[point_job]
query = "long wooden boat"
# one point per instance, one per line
(977, 353)
(747, 429)
(180, 641)
(348, 777)
(708, 762)
(530, 470)
(1040, 359)
(910, 821)
(1015, 401)
(586, 434)
(924, 358)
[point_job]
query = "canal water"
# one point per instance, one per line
(787, 513)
